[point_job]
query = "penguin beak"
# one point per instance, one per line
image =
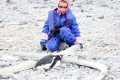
(61, 55)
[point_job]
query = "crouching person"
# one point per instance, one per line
(60, 26)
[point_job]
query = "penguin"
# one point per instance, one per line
(48, 62)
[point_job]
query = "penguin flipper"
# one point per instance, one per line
(55, 63)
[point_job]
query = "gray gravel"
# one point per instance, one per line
(20, 30)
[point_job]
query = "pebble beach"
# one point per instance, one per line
(21, 23)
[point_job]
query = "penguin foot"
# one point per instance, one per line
(46, 69)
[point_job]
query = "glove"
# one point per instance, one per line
(55, 31)
(43, 44)
(81, 46)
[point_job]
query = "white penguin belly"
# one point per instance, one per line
(46, 66)
(57, 64)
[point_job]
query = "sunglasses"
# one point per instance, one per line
(62, 6)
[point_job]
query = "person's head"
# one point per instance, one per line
(63, 6)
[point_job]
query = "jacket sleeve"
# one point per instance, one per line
(74, 27)
(46, 26)
(76, 31)
(45, 29)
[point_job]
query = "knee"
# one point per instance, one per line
(64, 29)
(51, 47)
(66, 34)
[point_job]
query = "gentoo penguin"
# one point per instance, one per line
(48, 62)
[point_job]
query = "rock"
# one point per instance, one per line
(6, 76)
(23, 23)
(63, 65)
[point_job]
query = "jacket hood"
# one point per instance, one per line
(68, 3)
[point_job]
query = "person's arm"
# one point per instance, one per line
(44, 35)
(74, 28)
(76, 31)
(45, 30)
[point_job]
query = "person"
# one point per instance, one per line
(60, 26)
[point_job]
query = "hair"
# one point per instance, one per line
(64, 1)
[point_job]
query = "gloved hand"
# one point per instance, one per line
(43, 44)
(55, 31)
(81, 46)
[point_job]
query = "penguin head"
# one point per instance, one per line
(59, 57)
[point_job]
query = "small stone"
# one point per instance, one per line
(23, 23)
(101, 17)
(5, 76)
(63, 65)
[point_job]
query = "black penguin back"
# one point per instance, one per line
(45, 60)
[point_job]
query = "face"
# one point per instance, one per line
(62, 6)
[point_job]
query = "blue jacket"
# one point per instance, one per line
(70, 23)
